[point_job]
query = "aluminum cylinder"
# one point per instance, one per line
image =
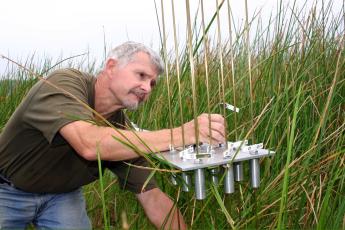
(186, 182)
(173, 179)
(255, 173)
(214, 176)
(238, 167)
(229, 183)
(199, 179)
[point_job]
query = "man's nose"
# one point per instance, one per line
(146, 86)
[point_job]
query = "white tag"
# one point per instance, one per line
(231, 107)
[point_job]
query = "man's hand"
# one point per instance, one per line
(217, 129)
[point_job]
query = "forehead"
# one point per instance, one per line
(142, 62)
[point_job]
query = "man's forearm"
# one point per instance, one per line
(88, 140)
(161, 210)
(125, 144)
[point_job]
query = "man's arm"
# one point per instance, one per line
(87, 139)
(160, 210)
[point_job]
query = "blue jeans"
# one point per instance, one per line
(18, 209)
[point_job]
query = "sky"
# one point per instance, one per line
(66, 28)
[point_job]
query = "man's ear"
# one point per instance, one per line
(110, 65)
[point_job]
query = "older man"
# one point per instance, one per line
(49, 147)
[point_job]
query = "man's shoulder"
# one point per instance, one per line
(70, 72)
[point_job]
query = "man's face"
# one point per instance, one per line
(131, 84)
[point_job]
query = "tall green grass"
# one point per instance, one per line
(297, 69)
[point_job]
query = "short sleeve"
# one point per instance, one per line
(60, 99)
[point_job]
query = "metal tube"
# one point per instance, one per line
(214, 176)
(255, 173)
(186, 182)
(173, 179)
(229, 183)
(238, 171)
(200, 192)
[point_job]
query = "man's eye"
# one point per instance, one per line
(141, 75)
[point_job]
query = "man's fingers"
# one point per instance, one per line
(216, 139)
(217, 118)
(217, 123)
(217, 132)
(218, 127)
(204, 118)
(218, 136)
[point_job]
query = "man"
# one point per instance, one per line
(49, 147)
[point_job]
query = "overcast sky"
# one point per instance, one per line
(69, 27)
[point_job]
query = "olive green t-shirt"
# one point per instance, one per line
(33, 155)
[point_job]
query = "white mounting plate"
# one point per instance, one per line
(217, 158)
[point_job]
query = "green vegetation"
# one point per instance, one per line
(297, 70)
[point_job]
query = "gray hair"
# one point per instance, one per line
(124, 54)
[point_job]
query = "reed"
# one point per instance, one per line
(167, 77)
(177, 64)
(192, 73)
(206, 69)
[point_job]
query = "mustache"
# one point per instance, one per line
(138, 92)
